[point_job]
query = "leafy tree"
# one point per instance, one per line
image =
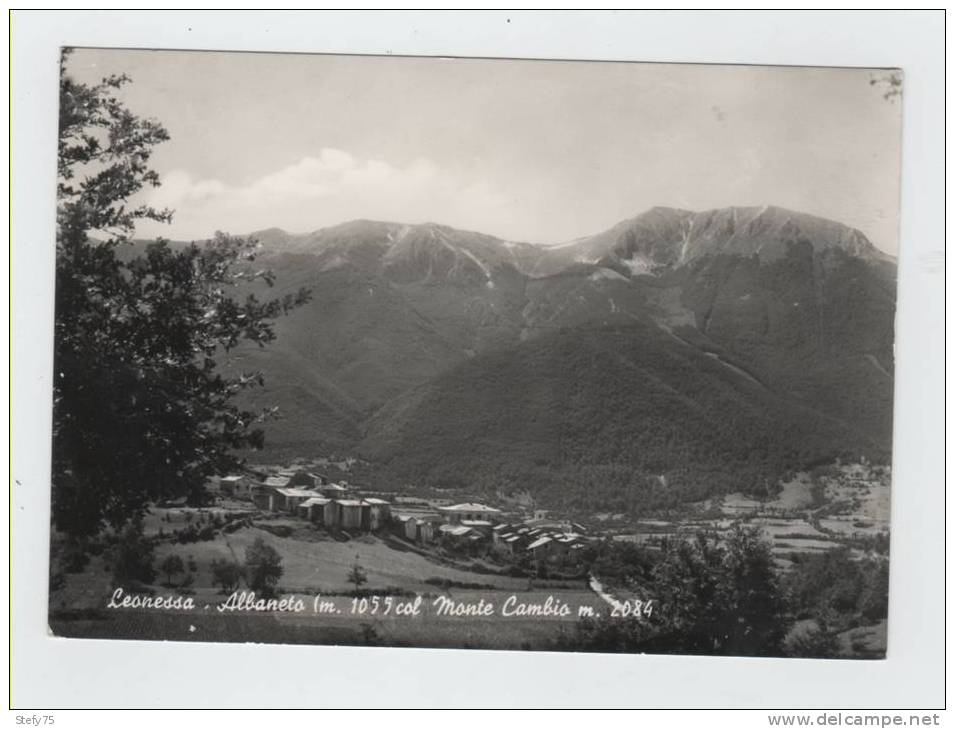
(713, 597)
(226, 574)
(756, 596)
(172, 565)
(263, 567)
(357, 576)
(723, 598)
(141, 409)
(620, 563)
(835, 583)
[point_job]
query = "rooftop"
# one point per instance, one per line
(297, 492)
(315, 501)
(455, 531)
(471, 507)
(419, 513)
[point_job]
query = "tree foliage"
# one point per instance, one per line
(132, 558)
(621, 564)
(226, 574)
(171, 566)
(357, 576)
(142, 411)
(263, 567)
(835, 584)
(713, 597)
(816, 640)
(552, 417)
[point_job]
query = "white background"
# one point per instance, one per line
(59, 673)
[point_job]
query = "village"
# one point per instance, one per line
(335, 537)
(808, 515)
(468, 529)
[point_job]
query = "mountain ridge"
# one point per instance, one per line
(782, 320)
(660, 237)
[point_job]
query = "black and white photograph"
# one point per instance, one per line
(477, 359)
(474, 353)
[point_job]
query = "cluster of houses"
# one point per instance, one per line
(543, 539)
(477, 528)
(468, 527)
(462, 525)
(311, 496)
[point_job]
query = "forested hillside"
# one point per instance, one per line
(675, 355)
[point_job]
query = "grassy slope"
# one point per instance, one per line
(313, 563)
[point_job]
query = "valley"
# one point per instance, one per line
(481, 390)
(841, 507)
(680, 379)
(719, 350)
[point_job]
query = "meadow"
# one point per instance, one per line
(317, 565)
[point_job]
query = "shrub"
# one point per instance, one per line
(171, 566)
(357, 576)
(263, 567)
(717, 597)
(814, 642)
(226, 574)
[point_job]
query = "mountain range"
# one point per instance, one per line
(672, 356)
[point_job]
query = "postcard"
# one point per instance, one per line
(474, 353)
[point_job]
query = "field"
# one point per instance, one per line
(844, 506)
(840, 506)
(316, 564)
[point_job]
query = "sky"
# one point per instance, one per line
(536, 151)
